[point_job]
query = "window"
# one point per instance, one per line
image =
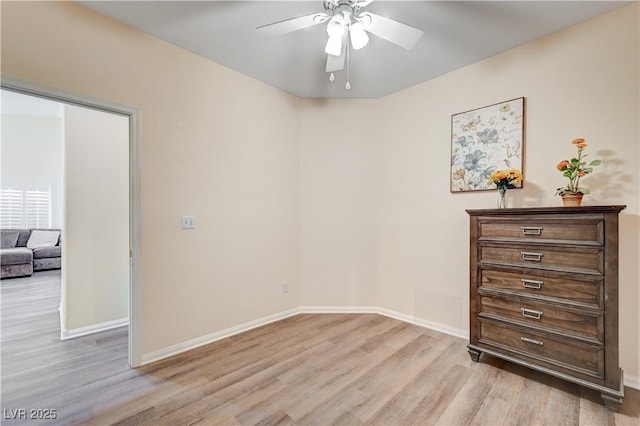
(25, 209)
(11, 208)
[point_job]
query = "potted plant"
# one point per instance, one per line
(573, 170)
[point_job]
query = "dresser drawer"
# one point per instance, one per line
(544, 292)
(580, 323)
(568, 229)
(572, 289)
(581, 358)
(574, 259)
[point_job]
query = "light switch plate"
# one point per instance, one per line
(188, 222)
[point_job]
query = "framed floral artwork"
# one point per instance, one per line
(484, 140)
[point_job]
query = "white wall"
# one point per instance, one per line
(31, 155)
(95, 258)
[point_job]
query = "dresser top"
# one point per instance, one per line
(546, 210)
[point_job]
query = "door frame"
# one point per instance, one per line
(58, 95)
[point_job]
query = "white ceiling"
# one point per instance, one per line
(456, 34)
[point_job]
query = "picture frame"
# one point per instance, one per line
(484, 140)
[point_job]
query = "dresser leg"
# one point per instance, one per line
(474, 354)
(611, 402)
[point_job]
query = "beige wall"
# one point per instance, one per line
(215, 144)
(346, 200)
(376, 212)
(338, 213)
(582, 82)
(95, 269)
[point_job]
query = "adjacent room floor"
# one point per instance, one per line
(309, 369)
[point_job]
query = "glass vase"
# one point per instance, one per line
(502, 199)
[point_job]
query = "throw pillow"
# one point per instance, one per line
(9, 239)
(40, 238)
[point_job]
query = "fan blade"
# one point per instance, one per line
(336, 63)
(293, 24)
(363, 3)
(397, 33)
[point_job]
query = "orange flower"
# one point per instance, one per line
(503, 179)
(576, 168)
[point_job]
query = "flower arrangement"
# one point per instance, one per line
(506, 179)
(576, 168)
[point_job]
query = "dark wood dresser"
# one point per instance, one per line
(544, 292)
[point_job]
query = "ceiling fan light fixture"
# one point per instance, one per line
(346, 22)
(336, 26)
(334, 46)
(336, 29)
(359, 37)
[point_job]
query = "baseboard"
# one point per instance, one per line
(632, 382)
(387, 313)
(94, 328)
(338, 310)
(214, 337)
(431, 325)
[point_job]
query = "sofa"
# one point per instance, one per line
(24, 251)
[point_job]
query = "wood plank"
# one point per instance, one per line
(346, 369)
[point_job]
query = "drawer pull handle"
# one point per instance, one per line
(531, 230)
(531, 284)
(530, 313)
(532, 341)
(527, 255)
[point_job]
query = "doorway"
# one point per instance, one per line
(88, 108)
(95, 253)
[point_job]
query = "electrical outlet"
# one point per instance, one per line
(188, 222)
(285, 288)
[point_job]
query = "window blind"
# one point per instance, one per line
(25, 209)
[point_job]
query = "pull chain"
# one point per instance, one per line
(348, 85)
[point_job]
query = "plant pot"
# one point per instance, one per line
(572, 199)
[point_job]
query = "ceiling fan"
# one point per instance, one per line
(347, 22)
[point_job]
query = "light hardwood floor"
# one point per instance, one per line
(309, 369)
